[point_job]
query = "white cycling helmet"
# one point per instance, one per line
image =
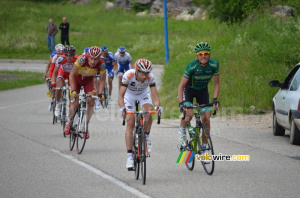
(59, 48)
(143, 65)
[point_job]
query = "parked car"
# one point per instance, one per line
(286, 106)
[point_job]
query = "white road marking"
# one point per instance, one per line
(101, 174)
(23, 104)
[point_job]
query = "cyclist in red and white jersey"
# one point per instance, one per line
(134, 87)
(64, 65)
(82, 75)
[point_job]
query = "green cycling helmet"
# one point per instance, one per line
(202, 46)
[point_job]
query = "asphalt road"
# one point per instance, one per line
(35, 160)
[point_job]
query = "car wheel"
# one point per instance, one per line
(277, 130)
(295, 134)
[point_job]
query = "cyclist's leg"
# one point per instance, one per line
(58, 94)
(203, 98)
(74, 105)
(110, 80)
(129, 101)
(89, 88)
(120, 75)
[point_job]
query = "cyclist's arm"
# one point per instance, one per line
(72, 77)
(216, 86)
(131, 65)
(101, 82)
(182, 84)
(115, 65)
(54, 75)
(47, 68)
(155, 96)
(121, 96)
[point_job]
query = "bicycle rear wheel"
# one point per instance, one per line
(81, 132)
(63, 118)
(143, 156)
(208, 165)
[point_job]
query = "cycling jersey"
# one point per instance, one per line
(134, 86)
(198, 76)
(53, 53)
(123, 62)
(85, 69)
(109, 59)
(66, 66)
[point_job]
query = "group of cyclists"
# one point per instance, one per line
(89, 70)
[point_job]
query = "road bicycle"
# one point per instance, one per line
(194, 141)
(51, 94)
(64, 105)
(140, 150)
(79, 128)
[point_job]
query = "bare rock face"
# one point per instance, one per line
(284, 11)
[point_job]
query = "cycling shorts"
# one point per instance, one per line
(123, 69)
(143, 98)
(63, 74)
(202, 96)
(86, 82)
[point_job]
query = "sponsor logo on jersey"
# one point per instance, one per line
(132, 84)
(81, 60)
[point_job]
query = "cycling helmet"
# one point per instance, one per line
(59, 48)
(86, 50)
(104, 49)
(94, 52)
(202, 46)
(143, 65)
(122, 49)
(69, 49)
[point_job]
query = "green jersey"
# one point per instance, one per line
(198, 76)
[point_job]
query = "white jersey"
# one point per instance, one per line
(66, 66)
(54, 58)
(134, 86)
(123, 61)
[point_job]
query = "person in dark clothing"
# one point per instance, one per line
(64, 27)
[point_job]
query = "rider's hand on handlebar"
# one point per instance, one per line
(101, 97)
(159, 109)
(181, 106)
(53, 85)
(215, 103)
(122, 111)
(73, 93)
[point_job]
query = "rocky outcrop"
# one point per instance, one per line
(284, 11)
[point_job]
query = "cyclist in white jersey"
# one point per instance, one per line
(134, 87)
(124, 62)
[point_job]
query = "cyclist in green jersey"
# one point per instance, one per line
(194, 85)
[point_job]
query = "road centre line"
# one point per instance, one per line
(101, 174)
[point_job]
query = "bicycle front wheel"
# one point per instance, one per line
(143, 156)
(207, 152)
(81, 132)
(106, 96)
(190, 165)
(136, 159)
(73, 132)
(53, 112)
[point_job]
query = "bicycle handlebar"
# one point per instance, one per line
(141, 113)
(84, 95)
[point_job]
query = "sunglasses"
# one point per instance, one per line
(69, 55)
(144, 73)
(203, 53)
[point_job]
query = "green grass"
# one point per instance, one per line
(18, 79)
(250, 54)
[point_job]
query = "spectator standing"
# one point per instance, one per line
(64, 27)
(51, 31)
